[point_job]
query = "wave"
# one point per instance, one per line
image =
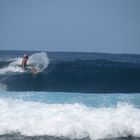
(77, 76)
(68, 120)
(75, 73)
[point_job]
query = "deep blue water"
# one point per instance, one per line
(74, 72)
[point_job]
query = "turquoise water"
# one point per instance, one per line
(96, 100)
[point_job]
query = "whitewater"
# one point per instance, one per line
(52, 114)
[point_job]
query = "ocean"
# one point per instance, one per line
(78, 96)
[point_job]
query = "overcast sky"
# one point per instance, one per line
(70, 25)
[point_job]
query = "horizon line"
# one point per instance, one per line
(119, 53)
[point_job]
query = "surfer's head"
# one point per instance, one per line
(26, 56)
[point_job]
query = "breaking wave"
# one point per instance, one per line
(68, 120)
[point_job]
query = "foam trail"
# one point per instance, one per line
(13, 67)
(38, 60)
(3, 87)
(68, 120)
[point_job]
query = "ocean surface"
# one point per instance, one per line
(78, 96)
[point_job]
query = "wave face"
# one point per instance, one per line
(44, 115)
(72, 72)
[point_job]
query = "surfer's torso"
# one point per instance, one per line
(24, 62)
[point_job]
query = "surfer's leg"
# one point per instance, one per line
(34, 70)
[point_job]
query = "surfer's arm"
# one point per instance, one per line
(23, 66)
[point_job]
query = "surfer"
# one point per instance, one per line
(24, 65)
(24, 62)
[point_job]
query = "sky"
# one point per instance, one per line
(111, 26)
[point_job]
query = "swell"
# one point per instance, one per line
(101, 76)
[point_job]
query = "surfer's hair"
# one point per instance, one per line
(26, 57)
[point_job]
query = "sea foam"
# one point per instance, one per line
(68, 120)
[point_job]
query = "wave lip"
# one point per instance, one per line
(74, 121)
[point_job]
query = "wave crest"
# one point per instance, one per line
(68, 120)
